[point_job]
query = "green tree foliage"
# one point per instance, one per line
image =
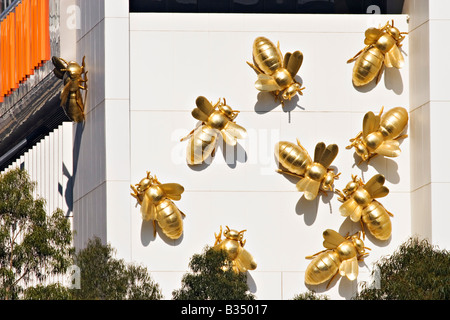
(310, 295)
(33, 245)
(416, 271)
(104, 277)
(54, 291)
(208, 280)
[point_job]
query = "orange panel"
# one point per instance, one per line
(2, 59)
(19, 41)
(47, 55)
(14, 82)
(5, 56)
(2, 69)
(34, 35)
(40, 36)
(10, 53)
(27, 37)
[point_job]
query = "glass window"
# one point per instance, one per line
(269, 6)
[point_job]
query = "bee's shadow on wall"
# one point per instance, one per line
(392, 81)
(147, 235)
(267, 102)
(383, 165)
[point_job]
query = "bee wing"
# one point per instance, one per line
(65, 93)
(371, 122)
(59, 66)
(266, 83)
(349, 268)
(172, 190)
(203, 106)
(372, 35)
(328, 155)
(293, 62)
(199, 115)
(245, 261)
(351, 208)
(318, 151)
(235, 130)
(148, 209)
(389, 148)
(309, 187)
(394, 58)
(375, 186)
(231, 132)
(332, 239)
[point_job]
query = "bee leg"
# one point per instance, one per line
(190, 134)
(218, 237)
(332, 278)
(323, 191)
(256, 69)
(182, 213)
(154, 228)
(380, 73)
(373, 155)
(135, 194)
(290, 173)
(362, 229)
(357, 55)
(341, 195)
(389, 213)
(312, 256)
(403, 136)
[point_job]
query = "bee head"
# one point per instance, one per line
(228, 111)
(394, 32)
(361, 150)
(234, 234)
(328, 181)
(359, 244)
(351, 187)
(291, 91)
(146, 183)
(74, 70)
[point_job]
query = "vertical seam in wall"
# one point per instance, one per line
(129, 131)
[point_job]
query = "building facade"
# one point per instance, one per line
(147, 66)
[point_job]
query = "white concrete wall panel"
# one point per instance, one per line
(48, 164)
(176, 57)
(429, 100)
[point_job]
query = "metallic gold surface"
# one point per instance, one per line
(233, 245)
(341, 257)
(156, 204)
(275, 73)
(360, 205)
(380, 134)
(314, 176)
(382, 49)
(203, 139)
(74, 76)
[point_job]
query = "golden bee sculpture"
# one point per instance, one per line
(360, 205)
(275, 73)
(233, 245)
(314, 176)
(382, 49)
(380, 134)
(215, 118)
(341, 257)
(75, 79)
(156, 204)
